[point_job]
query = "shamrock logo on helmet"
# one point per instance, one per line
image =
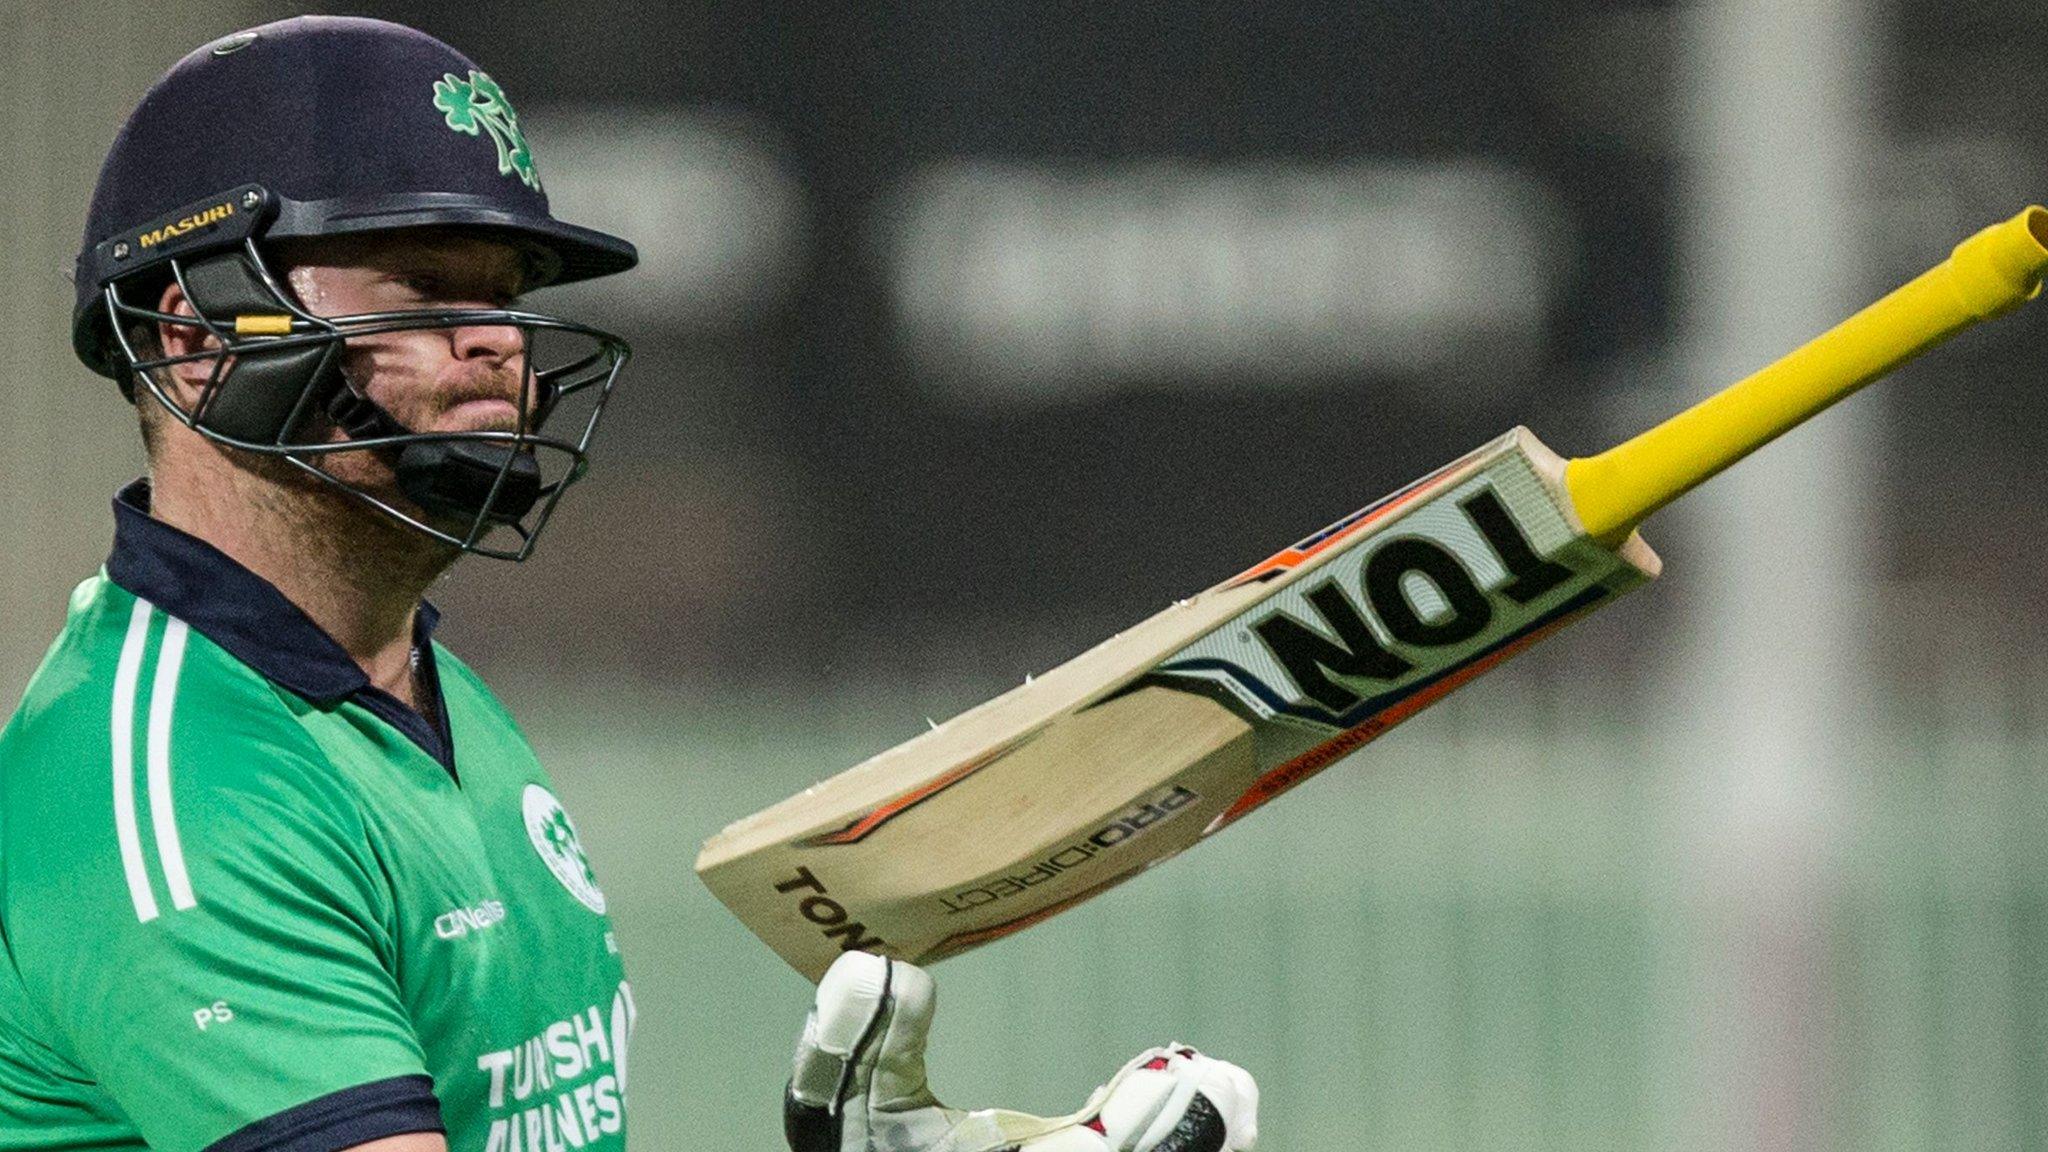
(477, 105)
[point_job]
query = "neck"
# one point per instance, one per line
(355, 573)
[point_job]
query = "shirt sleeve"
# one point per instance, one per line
(213, 942)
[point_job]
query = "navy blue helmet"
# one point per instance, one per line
(324, 126)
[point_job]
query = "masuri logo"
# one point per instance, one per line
(213, 215)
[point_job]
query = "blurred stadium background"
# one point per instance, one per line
(970, 333)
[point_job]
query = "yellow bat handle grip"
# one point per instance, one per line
(1987, 275)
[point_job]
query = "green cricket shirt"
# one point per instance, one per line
(249, 903)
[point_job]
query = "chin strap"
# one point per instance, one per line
(453, 478)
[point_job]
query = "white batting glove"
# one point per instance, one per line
(859, 1085)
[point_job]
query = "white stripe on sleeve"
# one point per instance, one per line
(126, 673)
(163, 697)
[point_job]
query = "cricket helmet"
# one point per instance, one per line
(324, 126)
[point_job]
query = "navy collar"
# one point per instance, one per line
(255, 623)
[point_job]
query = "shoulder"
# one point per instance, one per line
(459, 676)
(135, 728)
(80, 663)
(124, 676)
(466, 693)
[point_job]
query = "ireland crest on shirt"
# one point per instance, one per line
(554, 837)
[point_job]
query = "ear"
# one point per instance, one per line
(186, 381)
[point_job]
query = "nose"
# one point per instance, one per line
(486, 341)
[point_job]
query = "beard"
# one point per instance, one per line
(474, 400)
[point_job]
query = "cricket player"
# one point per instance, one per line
(278, 873)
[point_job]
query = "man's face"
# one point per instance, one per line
(429, 379)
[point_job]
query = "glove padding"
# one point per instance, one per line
(859, 1085)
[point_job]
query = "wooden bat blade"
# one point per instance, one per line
(1138, 748)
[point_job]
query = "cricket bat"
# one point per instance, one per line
(1173, 730)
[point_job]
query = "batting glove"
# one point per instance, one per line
(859, 1085)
